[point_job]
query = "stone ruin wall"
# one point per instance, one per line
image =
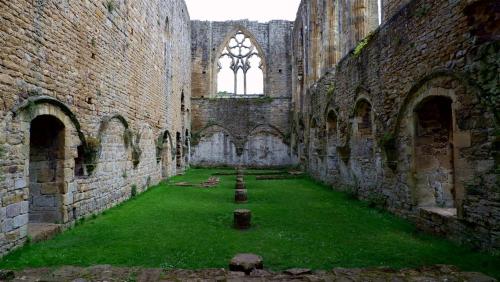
(113, 73)
(241, 131)
(374, 123)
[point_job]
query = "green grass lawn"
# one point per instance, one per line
(297, 223)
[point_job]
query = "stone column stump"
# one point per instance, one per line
(241, 196)
(246, 263)
(240, 185)
(242, 219)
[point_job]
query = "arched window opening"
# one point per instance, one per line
(240, 68)
(434, 153)
(364, 119)
(331, 124)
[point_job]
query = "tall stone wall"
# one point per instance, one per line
(391, 7)
(208, 39)
(408, 120)
(113, 73)
(324, 32)
(250, 131)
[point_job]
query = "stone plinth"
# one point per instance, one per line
(241, 196)
(242, 219)
(240, 186)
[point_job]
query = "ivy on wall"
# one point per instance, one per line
(485, 72)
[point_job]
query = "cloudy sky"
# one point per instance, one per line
(259, 10)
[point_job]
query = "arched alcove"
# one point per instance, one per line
(166, 156)
(363, 157)
(434, 168)
(363, 119)
(178, 156)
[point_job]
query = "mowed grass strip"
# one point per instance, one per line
(297, 223)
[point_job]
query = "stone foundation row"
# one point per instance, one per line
(109, 273)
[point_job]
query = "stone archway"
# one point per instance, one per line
(51, 139)
(46, 169)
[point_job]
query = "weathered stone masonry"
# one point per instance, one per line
(251, 131)
(96, 105)
(409, 118)
(93, 95)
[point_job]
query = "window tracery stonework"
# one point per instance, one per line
(243, 56)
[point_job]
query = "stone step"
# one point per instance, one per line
(43, 231)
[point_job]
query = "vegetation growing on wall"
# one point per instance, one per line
(362, 44)
(195, 138)
(30, 109)
(331, 90)
(111, 6)
(91, 152)
(484, 71)
(159, 148)
(136, 151)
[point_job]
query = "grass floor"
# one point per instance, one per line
(297, 223)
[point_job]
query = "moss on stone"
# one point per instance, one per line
(484, 71)
(195, 138)
(331, 90)
(92, 148)
(111, 6)
(136, 151)
(362, 44)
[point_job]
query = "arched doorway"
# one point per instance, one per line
(46, 168)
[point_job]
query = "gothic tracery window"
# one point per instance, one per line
(240, 68)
